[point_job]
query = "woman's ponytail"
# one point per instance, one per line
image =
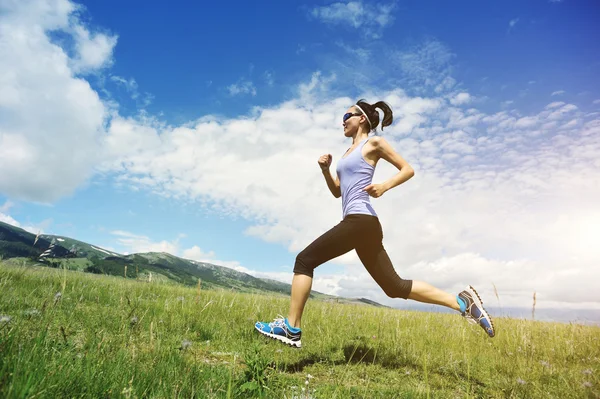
(373, 115)
(388, 117)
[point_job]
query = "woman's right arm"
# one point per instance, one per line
(334, 185)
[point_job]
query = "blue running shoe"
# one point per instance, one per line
(474, 312)
(280, 330)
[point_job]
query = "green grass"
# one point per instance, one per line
(108, 337)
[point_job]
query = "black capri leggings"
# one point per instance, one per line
(363, 233)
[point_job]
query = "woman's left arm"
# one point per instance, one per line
(384, 150)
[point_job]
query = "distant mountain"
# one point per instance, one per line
(16, 242)
(55, 251)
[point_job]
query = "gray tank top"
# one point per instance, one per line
(355, 174)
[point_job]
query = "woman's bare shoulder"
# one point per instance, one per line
(374, 143)
(376, 140)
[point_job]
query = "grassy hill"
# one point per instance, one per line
(64, 252)
(72, 334)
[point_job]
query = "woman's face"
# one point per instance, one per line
(353, 119)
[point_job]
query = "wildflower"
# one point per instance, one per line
(374, 337)
(57, 297)
(4, 319)
(308, 376)
(134, 320)
(279, 350)
(185, 344)
(587, 371)
(31, 312)
(545, 363)
(407, 372)
(587, 384)
(180, 298)
(520, 381)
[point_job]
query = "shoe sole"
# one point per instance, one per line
(287, 341)
(479, 303)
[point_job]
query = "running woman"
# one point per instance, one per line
(360, 229)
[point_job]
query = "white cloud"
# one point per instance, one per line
(242, 87)
(32, 228)
(41, 100)
(362, 54)
(132, 89)
(427, 65)
(130, 85)
(512, 23)
(268, 76)
(8, 219)
(555, 104)
(557, 93)
(195, 253)
(4, 217)
(6, 206)
(596, 101)
(526, 122)
(93, 50)
(423, 69)
(446, 84)
(560, 112)
(368, 17)
(138, 243)
(460, 99)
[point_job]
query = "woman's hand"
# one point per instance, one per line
(375, 190)
(325, 161)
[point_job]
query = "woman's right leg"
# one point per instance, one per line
(335, 242)
(301, 285)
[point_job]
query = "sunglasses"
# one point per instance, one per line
(349, 115)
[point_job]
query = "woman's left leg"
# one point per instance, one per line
(427, 293)
(378, 264)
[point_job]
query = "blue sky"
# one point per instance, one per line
(187, 56)
(194, 129)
